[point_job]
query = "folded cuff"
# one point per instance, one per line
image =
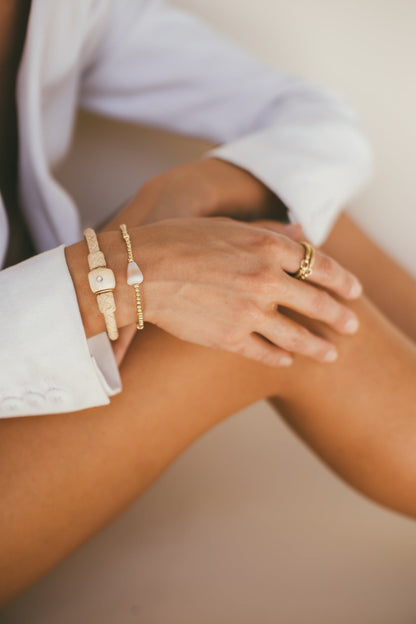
(45, 361)
(314, 171)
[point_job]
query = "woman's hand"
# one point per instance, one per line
(211, 187)
(203, 188)
(219, 282)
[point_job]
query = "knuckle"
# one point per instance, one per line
(269, 245)
(265, 280)
(343, 316)
(272, 358)
(319, 304)
(231, 340)
(327, 309)
(265, 239)
(259, 356)
(282, 288)
(341, 313)
(347, 283)
(241, 348)
(262, 281)
(250, 313)
(328, 269)
(298, 340)
(226, 337)
(265, 357)
(244, 313)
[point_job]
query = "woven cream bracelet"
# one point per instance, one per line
(102, 283)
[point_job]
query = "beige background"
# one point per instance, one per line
(247, 525)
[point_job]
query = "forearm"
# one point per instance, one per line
(237, 192)
(204, 187)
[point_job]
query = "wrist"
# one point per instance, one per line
(114, 250)
(240, 193)
(233, 186)
(203, 188)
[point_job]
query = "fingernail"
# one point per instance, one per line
(351, 325)
(331, 356)
(356, 290)
(286, 360)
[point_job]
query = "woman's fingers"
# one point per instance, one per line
(256, 348)
(326, 272)
(318, 304)
(296, 339)
(220, 272)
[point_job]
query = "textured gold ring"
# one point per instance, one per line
(306, 266)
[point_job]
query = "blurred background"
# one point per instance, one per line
(248, 525)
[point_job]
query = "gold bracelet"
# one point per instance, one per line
(134, 276)
(102, 283)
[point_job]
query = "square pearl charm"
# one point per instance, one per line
(101, 279)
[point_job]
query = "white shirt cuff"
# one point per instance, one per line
(45, 361)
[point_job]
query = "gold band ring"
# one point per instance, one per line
(306, 266)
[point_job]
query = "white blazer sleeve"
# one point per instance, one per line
(45, 361)
(160, 66)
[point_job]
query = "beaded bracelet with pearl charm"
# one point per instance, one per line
(134, 276)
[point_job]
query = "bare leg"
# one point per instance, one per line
(385, 283)
(62, 477)
(378, 420)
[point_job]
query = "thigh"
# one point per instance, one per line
(385, 282)
(359, 415)
(63, 476)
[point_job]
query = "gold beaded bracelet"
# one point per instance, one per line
(134, 276)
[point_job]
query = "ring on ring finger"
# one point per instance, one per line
(306, 266)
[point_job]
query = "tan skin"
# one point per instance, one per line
(72, 473)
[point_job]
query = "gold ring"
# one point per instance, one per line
(306, 266)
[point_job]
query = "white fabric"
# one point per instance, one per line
(39, 371)
(144, 61)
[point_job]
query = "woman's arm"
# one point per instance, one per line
(217, 282)
(304, 142)
(47, 364)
